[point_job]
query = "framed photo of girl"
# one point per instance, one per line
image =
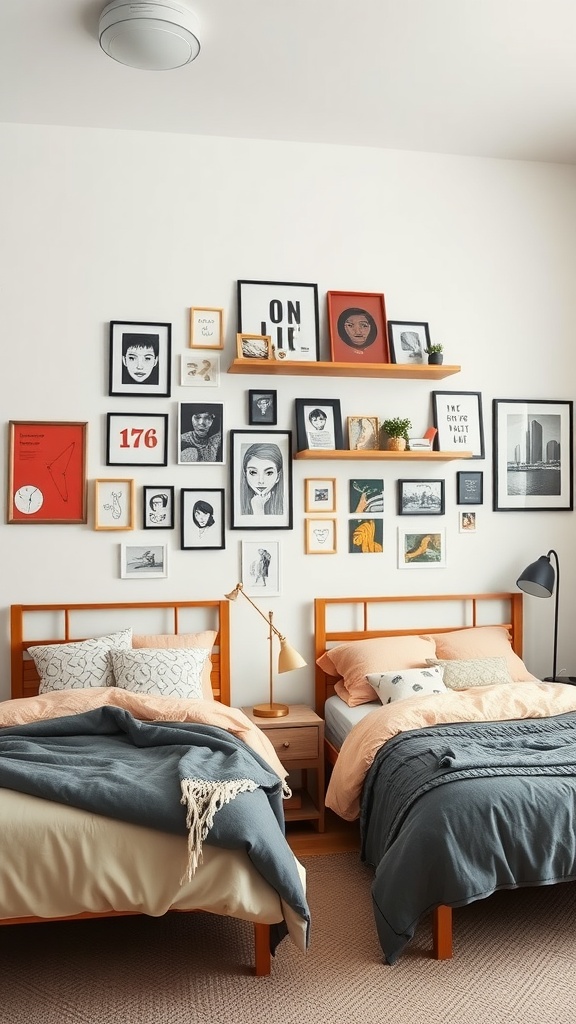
(261, 479)
(357, 326)
(201, 518)
(261, 568)
(140, 358)
(318, 424)
(157, 508)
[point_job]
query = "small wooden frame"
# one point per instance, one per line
(320, 494)
(321, 536)
(114, 504)
(206, 327)
(254, 346)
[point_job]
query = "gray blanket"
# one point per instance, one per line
(176, 777)
(452, 813)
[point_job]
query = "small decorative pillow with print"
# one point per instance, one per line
(161, 673)
(407, 682)
(461, 674)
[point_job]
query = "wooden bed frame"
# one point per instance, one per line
(465, 611)
(25, 682)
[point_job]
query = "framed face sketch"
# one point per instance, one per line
(206, 327)
(157, 508)
(318, 423)
(261, 479)
(262, 408)
(261, 568)
(138, 562)
(201, 518)
(140, 358)
(357, 325)
(114, 504)
(286, 312)
(200, 433)
(421, 550)
(200, 371)
(47, 472)
(320, 536)
(320, 494)
(363, 433)
(408, 341)
(365, 536)
(366, 496)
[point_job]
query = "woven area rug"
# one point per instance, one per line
(515, 956)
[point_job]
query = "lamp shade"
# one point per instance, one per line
(538, 578)
(288, 658)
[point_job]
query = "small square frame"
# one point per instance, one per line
(254, 346)
(162, 517)
(366, 496)
(320, 494)
(143, 562)
(368, 305)
(409, 340)
(313, 436)
(426, 548)
(138, 335)
(114, 504)
(467, 522)
(262, 407)
(469, 487)
(320, 536)
(136, 439)
(366, 536)
(208, 532)
(261, 575)
(201, 370)
(206, 327)
(363, 433)
(421, 497)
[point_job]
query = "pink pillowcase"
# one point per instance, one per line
(355, 660)
(481, 642)
(179, 641)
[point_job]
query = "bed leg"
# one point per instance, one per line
(442, 932)
(261, 950)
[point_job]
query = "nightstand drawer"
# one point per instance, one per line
(295, 744)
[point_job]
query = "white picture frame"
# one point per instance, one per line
(433, 551)
(143, 561)
(261, 568)
(200, 370)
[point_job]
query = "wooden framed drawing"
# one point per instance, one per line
(459, 423)
(201, 370)
(136, 439)
(200, 433)
(285, 312)
(262, 408)
(254, 346)
(357, 327)
(533, 455)
(261, 479)
(261, 568)
(365, 536)
(47, 472)
(366, 496)
(424, 549)
(420, 497)
(157, 508)
(201, 518)
(320, 494)
(469, 487)
(318, 424)
(140, 358)
(114, 504)
(363, 433)
(320, 536)
(408, 341)
(206, 327)
(140, 562)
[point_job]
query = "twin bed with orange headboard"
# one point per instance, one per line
(63, 862)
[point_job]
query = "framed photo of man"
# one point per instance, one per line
(140, 358)
(262, 408)
(200, 433)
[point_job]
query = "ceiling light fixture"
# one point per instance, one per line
(153, 35)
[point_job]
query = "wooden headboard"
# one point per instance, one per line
(63, 623)
(456, 611)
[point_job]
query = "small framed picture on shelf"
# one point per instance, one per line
(254, 346)
(421, 549)
(261, 568)
(206, 327)
(319, 424)
(136, 439)
(365, 536)
(420, 497)
(467, 522)
(262, 408)
(286, 312)
(363, 433)
(357, 327)
(157, 508)
(320, 536)
(320, 494)
(114, 504)
(140, 359)
(140, 562)
(408, 341)
(201, 518)
(469, 487)
(201, 370)
(459, 422)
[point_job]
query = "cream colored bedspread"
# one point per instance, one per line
(87, 862)
(479, 704)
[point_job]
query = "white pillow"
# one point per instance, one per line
(78, 666)
(407, 682)
(163, 673)
(459, 674)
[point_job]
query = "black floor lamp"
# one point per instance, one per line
(538, 580)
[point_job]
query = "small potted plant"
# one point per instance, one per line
(434, 353)
(396, 430)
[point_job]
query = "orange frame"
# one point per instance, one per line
(47, 472)
(375, 349)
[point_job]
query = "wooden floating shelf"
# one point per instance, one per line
(315, 454)
(294, 368)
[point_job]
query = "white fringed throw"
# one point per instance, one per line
(202, 799)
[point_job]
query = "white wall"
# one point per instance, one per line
(108, 225)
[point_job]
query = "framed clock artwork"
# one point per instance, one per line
(47, 472)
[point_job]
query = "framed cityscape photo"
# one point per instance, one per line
(408, 341)
(533, 455)
(114, 504)
(469, 487)
(206, 327)
(136, 439)
(357, 326)
(47, 472)
(140, 358)
(261, 568)
(287, 313)
(157, 507)
(261, 479)
(262, 408)
(420, 497)
(201, 518)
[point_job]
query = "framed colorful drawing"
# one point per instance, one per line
(366, 496)
(421, 549)
(357, 327)
(139, 562)
(47, 472)
(285, 312)
(365, 536)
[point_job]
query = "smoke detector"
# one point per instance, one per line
(152, 36)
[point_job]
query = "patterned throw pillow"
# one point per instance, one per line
(411, 682)
(460, 675)
(163, 673)
(77, 666)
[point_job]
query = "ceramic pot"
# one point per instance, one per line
(396, 444)
(436, 358)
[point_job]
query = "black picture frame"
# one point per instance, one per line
(140, 359)
(200, 449)
(136, 439)
(261, 492)
(285, 311)
(262, 407)
(533, 456)
(408, 340)
(421, 497)
(207, 532)
(310, 433)
(459, 422)
(469, 487)
(157, 507)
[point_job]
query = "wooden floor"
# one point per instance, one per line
(340, 837)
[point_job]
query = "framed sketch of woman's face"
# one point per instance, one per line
(157, 508)
(201, 518)
(261, 479)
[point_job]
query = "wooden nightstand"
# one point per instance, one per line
(298, 739)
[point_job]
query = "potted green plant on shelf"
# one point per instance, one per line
(396, 430)
(434, 353)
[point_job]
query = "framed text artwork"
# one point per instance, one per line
(206, 327)
(421, 549)
(136, 439)
(357, 326)
(459, 423)
(140, 359)
(200, 371)
(47, 472)
(533, 455)
(286, 313)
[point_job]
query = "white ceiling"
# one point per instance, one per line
(477, 77)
